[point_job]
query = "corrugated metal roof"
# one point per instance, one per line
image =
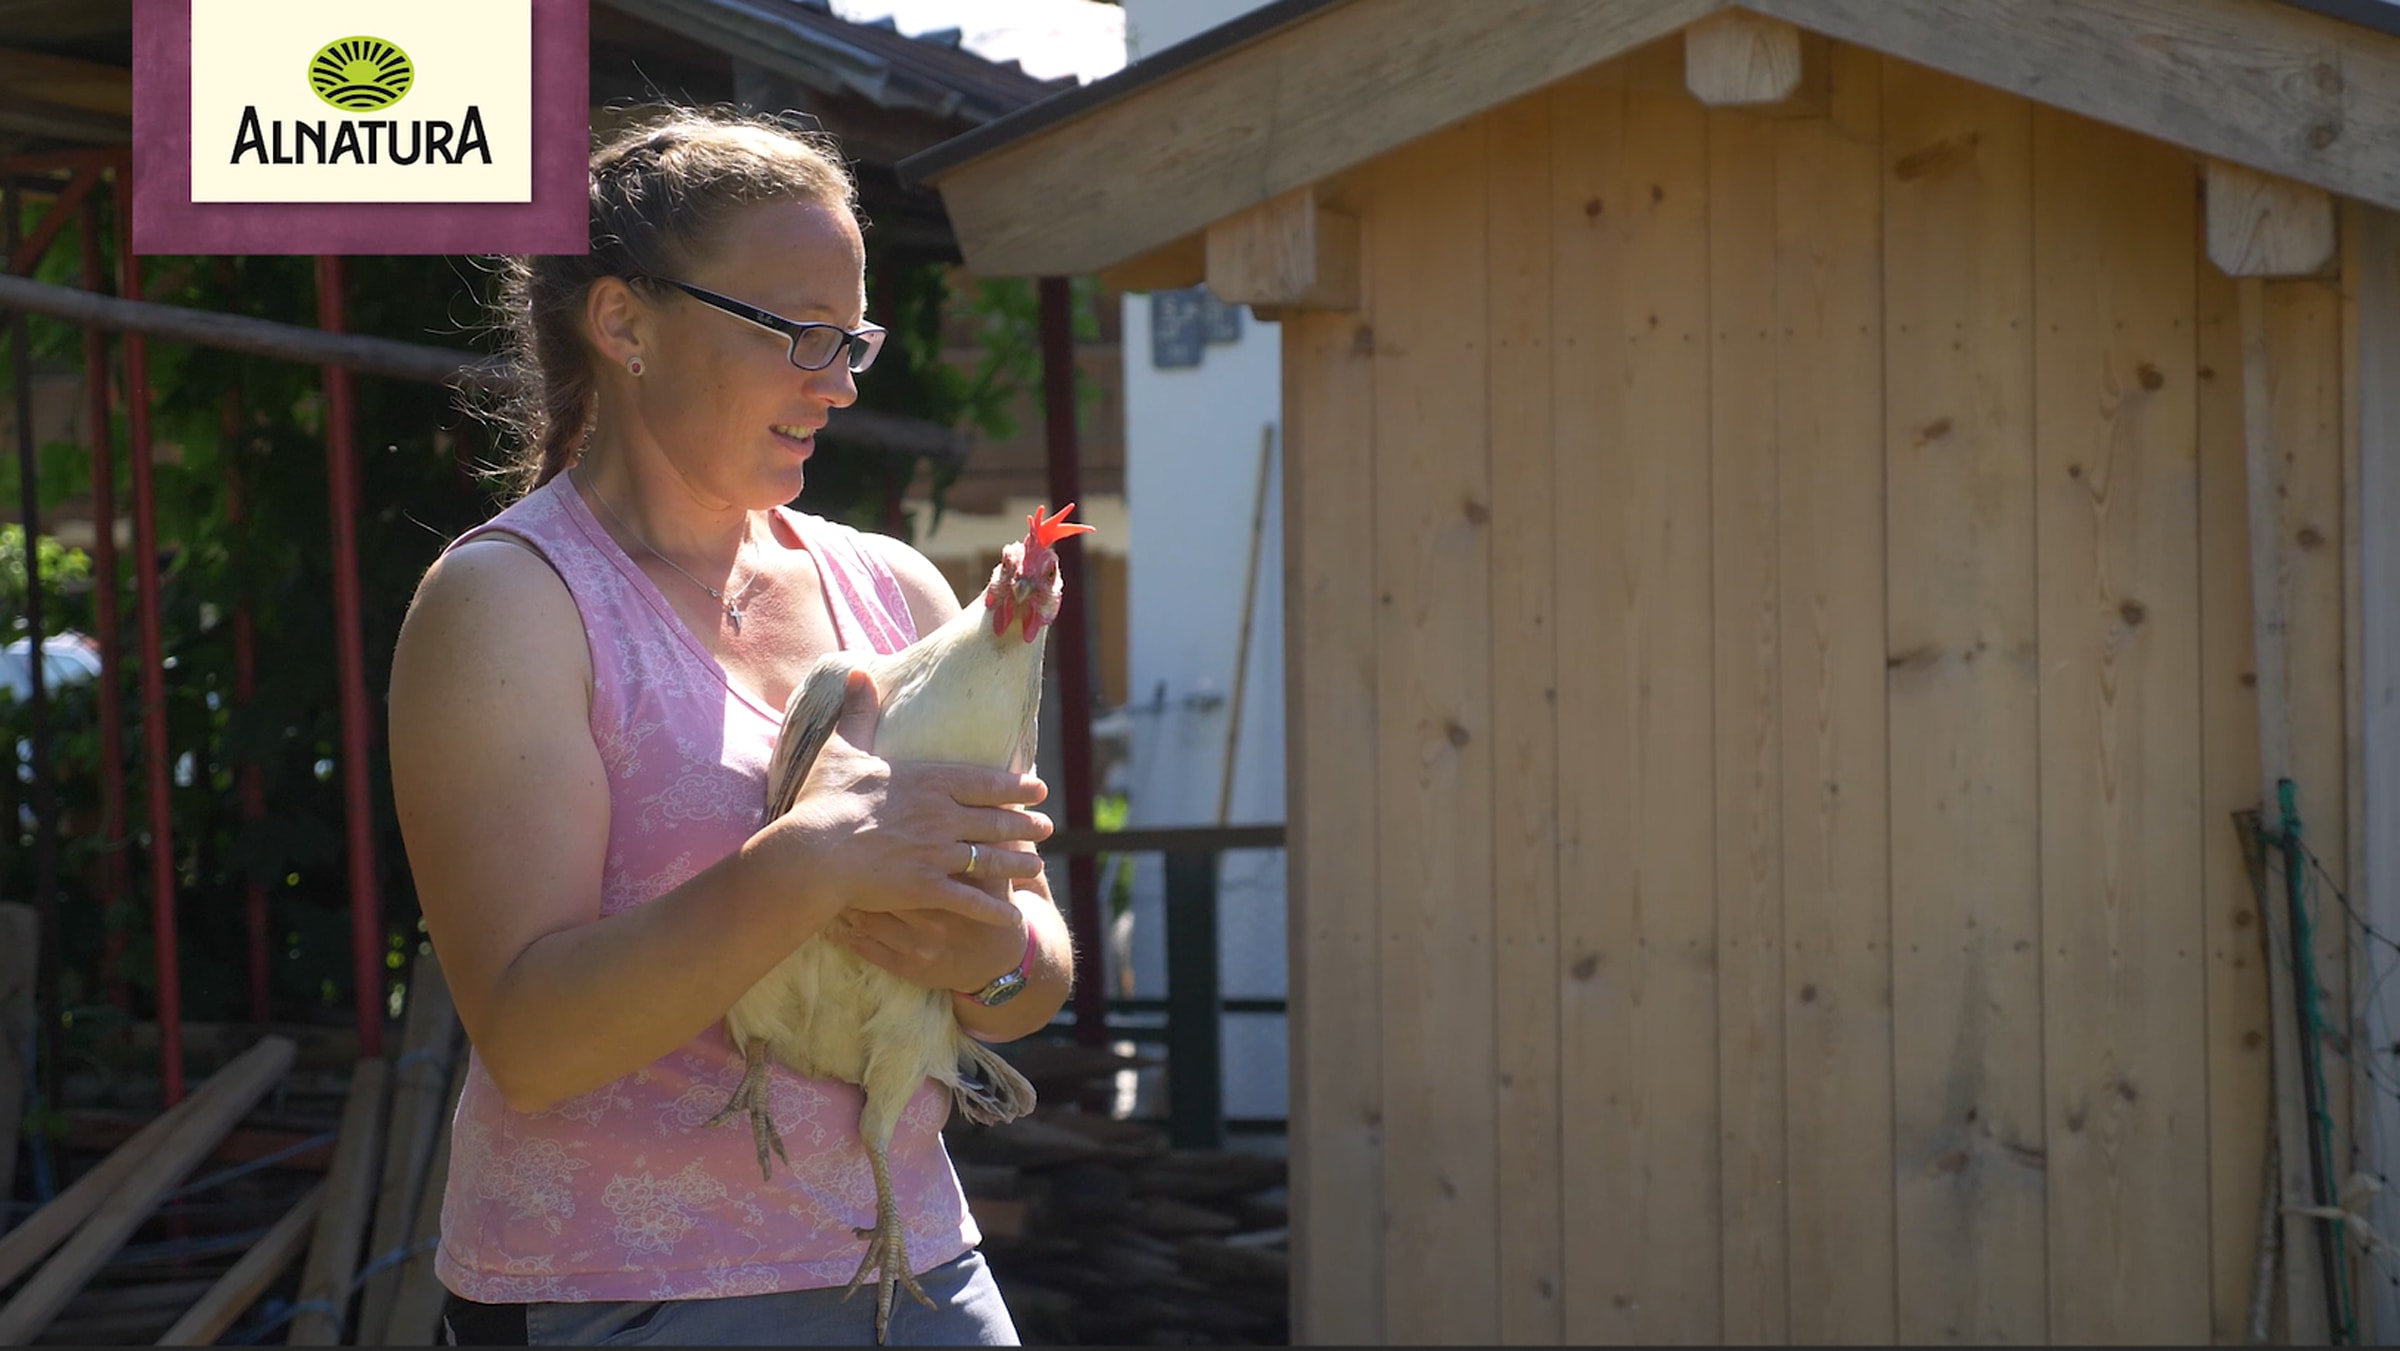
(804, 41)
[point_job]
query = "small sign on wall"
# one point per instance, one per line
(1184, 322)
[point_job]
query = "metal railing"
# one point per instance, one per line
(1193, 1035)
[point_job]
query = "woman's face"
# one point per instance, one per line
(718, 393)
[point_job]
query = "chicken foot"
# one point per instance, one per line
(887, 1249)
(751, 1095)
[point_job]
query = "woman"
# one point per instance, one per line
(583, 701)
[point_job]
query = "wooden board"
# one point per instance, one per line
(1312, 99)
(2304, 394)
(248, 1277)
(2236, 981)
(1524, 806)
(1434, 740)
(1335, 855)
(325, 1288)
(1967, 1053)
(1587, 179)
(1635, 800)
(1837, 967)
(2122, 924)
(1744, 485)
(2372, 240)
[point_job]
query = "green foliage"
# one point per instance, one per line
(61, 570)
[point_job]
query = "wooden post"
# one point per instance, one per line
(20, 941)
(349, 1192)
(1195, 1059)
(2303, 1272)
(420, 1084)
(416, 1313)
(215, 1108)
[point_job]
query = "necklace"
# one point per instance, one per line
(733, 609)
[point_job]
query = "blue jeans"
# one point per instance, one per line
(967, 1312)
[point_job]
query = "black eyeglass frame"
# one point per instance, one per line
(864, 343)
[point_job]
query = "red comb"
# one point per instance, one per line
(1046, 532)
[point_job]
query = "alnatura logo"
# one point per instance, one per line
(360, 75)
(393, 101)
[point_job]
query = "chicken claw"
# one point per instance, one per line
(751, 1095)
(887, 1251)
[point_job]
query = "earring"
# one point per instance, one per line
(634, 364)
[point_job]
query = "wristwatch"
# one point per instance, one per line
(1006, 987)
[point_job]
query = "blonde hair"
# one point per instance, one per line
(661, 190)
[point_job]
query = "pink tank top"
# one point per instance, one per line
(622, 1193)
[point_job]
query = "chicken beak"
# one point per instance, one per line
(1023, 587)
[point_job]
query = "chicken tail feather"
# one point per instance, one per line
(814, 711)
(989, 1089)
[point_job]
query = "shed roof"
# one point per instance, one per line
(1301, 89)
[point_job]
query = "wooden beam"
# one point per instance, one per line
(2258, 82)
(1742, 60)
(1170, 267)
(2260, 225)
(416, 1313)
(1291, 253)
(214, 1108)
(1309, 100)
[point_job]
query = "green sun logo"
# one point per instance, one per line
(360, 75)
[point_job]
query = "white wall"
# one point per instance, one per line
(1191, 476)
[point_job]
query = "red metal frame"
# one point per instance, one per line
(154, 684)
(248, 784)
(113, 880)
(366, 902)
(1073, 655)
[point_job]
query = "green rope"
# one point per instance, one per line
(2312, 1022)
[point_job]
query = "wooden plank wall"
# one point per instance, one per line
(1771, 680)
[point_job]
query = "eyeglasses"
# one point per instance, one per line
(813, 346)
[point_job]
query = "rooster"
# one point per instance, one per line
(967, 693)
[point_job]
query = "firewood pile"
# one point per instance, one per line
(294, 1195)
(311, 1222)
(1098, 1232)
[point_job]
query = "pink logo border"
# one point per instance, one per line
(167, 220)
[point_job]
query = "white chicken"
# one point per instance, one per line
(970, 692)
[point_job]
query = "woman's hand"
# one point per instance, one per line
(937, 949)
(886, 838)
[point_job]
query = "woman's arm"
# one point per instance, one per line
(503, 804)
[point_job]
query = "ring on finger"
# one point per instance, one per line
(974, 857)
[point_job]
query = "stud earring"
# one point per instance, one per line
(634, 364)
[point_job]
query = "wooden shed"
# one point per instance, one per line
(1774, 500)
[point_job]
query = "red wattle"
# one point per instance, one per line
(999, 618)
(1033, 622)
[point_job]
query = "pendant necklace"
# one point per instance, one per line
(733, 609)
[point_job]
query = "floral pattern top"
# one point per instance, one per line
(625, 1193)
